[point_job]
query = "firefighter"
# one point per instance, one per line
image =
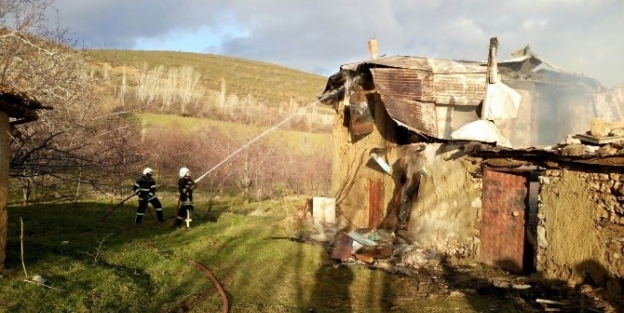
(145, 188)
(185, 187)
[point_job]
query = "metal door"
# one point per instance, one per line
(503, 219)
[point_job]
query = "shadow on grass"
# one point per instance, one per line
(74, 230)
(331, 289)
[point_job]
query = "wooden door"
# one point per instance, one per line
(375, 203)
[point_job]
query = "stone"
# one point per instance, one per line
(544, 180)
(607, 150)
(600, 127)
(616, 185)
(573, 150)
(541, 237)
(476, 203)
(594, 186)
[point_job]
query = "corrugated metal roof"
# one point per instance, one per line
(403, 83)
(416, 116)
(423, 64)
(410, 88)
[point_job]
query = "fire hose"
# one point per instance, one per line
(115, 208)
(226, 306)
(215, 282)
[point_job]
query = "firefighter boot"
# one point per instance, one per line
(138, 218)
(159, 214)
(178, 222)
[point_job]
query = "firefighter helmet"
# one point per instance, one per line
(184, 172)
(148, 171)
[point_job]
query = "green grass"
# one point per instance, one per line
(146, 268)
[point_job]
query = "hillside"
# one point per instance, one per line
(268, 83)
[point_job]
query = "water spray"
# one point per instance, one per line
(255, 139)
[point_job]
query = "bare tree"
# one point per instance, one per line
(189, 78)
(223, 94)
(168, 91)
(76, 144)
(123, 87)
(147, 83)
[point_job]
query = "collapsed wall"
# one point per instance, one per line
(580, 231)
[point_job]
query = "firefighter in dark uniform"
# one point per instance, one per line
(185, 187)
(145, 188)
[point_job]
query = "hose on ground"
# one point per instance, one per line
(214, 281)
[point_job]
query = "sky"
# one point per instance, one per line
(582, 36)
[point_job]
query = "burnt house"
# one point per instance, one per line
(454, 155)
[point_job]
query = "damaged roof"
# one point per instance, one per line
(525, 63)
(20, 106)
(411, 86)
(435, 97)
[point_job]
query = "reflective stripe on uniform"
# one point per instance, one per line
(140, 213)
(187, 202)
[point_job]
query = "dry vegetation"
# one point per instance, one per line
(211, 86)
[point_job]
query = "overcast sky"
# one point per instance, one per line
(319, 36)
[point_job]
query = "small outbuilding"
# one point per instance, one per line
(464, 156)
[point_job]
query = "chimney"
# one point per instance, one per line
(492, 62)
(373, 49)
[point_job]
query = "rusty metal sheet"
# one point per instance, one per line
(441, 66)
(423, 64)
(405, 62)
(381, 252)
(401, 90)
(459, 89)
(343, 247)
(408, 84)
(416, 116)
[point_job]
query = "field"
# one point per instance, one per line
(116, 266)
(268, 83)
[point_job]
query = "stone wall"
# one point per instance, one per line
(580, 232)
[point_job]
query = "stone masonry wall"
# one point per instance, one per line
(580, 232)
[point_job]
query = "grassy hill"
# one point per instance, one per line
(266, 82)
